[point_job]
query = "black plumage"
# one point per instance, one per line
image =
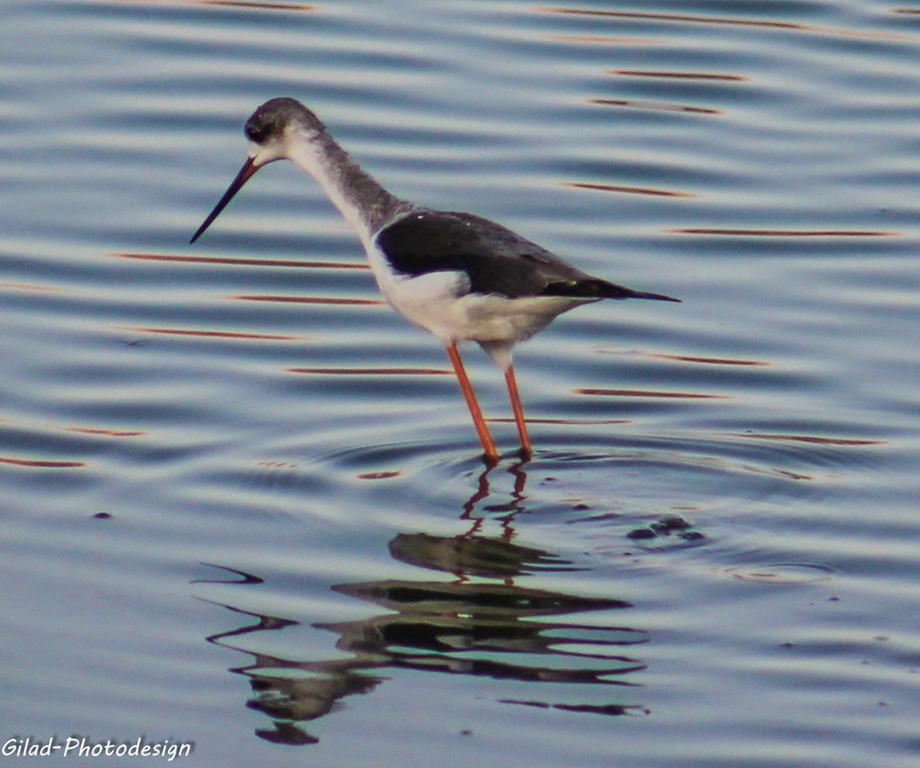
(495, 259)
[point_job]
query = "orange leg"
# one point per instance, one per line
(526, 448)
(485, 438)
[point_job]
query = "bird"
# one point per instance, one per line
(459, 276)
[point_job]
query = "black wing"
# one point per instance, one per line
(495, 259)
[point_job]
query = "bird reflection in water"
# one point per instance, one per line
(507, 509)
(482, 623)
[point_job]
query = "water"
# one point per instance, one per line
(241, 501)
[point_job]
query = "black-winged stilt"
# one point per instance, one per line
(459, 276)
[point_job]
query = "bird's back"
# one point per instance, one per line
(495, 259)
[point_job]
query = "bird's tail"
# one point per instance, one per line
(643, 295)
(595, 288)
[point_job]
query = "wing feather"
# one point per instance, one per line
(495, 259)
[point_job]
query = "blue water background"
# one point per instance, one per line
(240, 499)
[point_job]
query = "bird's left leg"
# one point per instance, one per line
(518, 409)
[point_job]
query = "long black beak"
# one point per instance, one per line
(246, 172)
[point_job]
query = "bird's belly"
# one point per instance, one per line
(440, 302)
(495, 318)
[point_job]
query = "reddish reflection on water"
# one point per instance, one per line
(809, 439)
(686, 18)
(373, 371)
(627, 189)
(43, 463)
(706, 360)
(570, 422)
(307, 299)
(29, 287)
(656, 105)
(243, 262)
(785, 232)
(301, 7)
(646, 393)
(605, 39)
(670, 75)
(214, 334)
(106, 432)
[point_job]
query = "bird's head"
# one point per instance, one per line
(277, 123)
(271, 129)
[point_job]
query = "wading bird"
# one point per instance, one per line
(459, 276)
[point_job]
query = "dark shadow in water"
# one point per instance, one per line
(479, 623)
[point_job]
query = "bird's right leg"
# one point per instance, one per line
(479, 422)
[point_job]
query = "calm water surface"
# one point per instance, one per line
(240, 499)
